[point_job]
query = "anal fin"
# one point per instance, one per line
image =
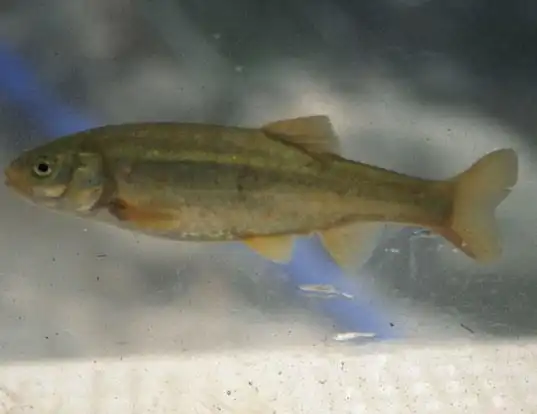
(353, 244)
(275, 248)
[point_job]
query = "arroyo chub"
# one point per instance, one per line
(263, 186)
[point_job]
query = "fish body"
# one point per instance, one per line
(262, 186)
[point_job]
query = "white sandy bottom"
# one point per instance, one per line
(390, 378)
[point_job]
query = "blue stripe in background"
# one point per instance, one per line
(310, 264)
(20, 86)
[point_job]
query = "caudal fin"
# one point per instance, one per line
(478, 191)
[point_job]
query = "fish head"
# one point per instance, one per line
(40, 175)
(57, 177)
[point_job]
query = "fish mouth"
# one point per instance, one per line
(14, 180)
(9, 177)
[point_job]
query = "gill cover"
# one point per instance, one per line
(86, 185)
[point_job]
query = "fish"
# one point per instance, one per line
(324, 291)
(347, 336)
(263, 186)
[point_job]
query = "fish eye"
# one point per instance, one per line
(42, 168)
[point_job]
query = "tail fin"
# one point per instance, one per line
(478, 191)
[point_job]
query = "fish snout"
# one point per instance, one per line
(15, 179)
(10, 176)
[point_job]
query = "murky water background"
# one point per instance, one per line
(422, 87)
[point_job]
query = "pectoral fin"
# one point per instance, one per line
(315, 133)
(276, 248)
(353, 244)
(144, 218)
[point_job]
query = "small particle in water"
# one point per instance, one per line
(423, 234)
(392, 250)
(101, 255)
(347, 336)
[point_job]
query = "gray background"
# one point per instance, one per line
(424, 87)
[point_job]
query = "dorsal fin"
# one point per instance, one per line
(314, 133)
